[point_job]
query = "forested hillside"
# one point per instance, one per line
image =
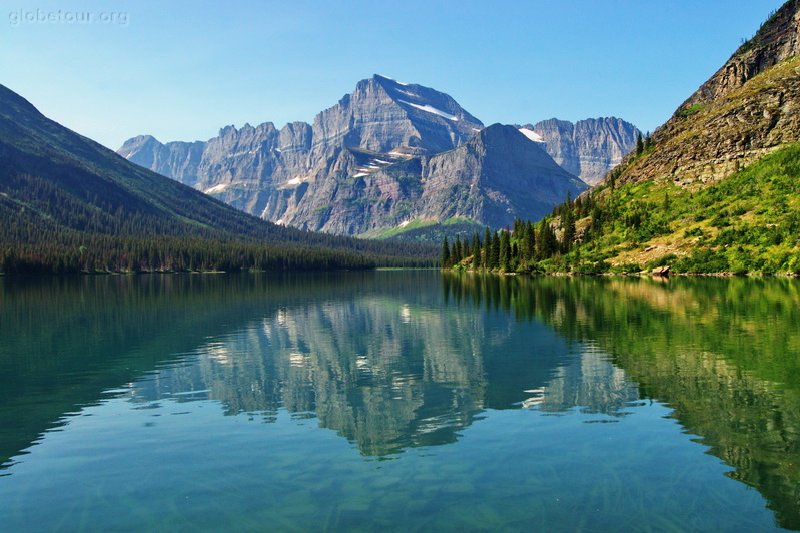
(716, 189)
(68, 204)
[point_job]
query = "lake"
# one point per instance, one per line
(399, 401)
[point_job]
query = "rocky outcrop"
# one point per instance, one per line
(588, 148)
(382, 115)
(497, 176)
(749, 108)
(494, 177)
(777, 39)
(177, 160)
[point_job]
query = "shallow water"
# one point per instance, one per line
(399, 401)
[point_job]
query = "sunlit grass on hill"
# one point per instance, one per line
(747, 223)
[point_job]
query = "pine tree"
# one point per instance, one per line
(476, 251)
(494, 261)
(546, 244)
(639, 144)
(531, 238)
(568, 224)
(446, 254)
(513, 261)
(505, 251)
(487, 248)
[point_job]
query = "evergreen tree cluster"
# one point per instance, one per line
(520, 248)
(743, 224)
(47, 228)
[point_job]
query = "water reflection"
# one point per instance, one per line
(388, 374)
(724, 354)
(393, 361)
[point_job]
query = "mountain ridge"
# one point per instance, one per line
(745, 110)
(588, 148)
(301, 174)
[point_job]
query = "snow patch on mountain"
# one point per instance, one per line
(430, 109)
(216, 188)
(392, 79)
(532, 135)
(407, 93)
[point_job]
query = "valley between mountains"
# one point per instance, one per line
(381, 177)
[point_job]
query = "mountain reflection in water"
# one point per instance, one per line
(393, 361)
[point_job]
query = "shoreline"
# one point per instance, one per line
(630, 274)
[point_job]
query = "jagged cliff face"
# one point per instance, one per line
(382, 115)
(777, 39)
(310, 176)
(746, 110)
(178, 160)
(588, 148)
(498, 175)
(494, 177)
(384, 156)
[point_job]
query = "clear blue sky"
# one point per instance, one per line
(181, 70)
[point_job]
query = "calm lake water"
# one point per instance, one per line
(408, 401)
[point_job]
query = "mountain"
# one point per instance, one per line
(588, 148)
(496, 175)
(265, 171)
(69, 204)
(716, 189)
(380, 162)
(747, 109)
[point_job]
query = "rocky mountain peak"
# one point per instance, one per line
(137, 143)
(777, 39)
(588, 148)
(385, 155)
(384, 115)
(505, 134)
(498, 175)
(420, 99)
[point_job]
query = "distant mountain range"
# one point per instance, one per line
(68, 204)
(392, 158)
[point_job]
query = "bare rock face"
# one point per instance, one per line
(589, 148)
(177, 160)
(494, 177)
(383, 156)
(747, 109)
(382, 115)
(497, 176)
(777, 39)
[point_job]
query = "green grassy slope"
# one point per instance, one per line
(748, 222)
